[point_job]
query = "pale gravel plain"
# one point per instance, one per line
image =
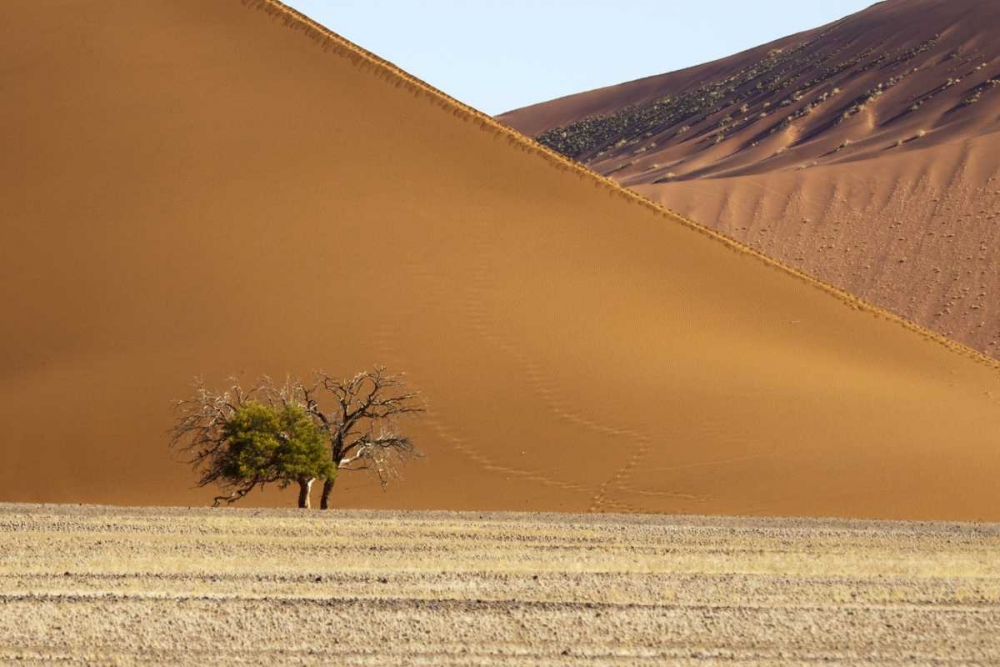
(105, 585)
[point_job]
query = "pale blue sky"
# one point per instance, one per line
(498, 56)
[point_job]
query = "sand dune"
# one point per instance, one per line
(919, 233)
(863, 152)
(195, 188)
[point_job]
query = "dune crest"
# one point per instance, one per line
(192, 190)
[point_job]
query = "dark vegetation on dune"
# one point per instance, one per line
(804, 84)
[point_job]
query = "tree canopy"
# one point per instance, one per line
(267, 444)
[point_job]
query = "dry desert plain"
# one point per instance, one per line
(103, 585)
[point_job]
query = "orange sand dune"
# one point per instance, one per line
(197, 188)
(865, 152)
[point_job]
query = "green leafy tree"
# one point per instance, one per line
(244, 440)
(266, 444)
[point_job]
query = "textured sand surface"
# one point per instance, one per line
(93, 585)
(864, 152)
(194, 187)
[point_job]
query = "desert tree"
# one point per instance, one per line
(361, 416)
(297, 432)
(243, 439)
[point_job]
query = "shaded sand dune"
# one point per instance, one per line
(200, 188)
(917, 233)
(864, 152)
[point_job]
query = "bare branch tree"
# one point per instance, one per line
(362, 419)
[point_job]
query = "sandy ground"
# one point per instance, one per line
(100, 585)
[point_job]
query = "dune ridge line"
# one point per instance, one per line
(362, 58)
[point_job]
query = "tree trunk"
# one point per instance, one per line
(324, 501)
(305, 486)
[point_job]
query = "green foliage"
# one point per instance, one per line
(273, 444)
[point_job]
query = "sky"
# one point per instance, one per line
(497, 56)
